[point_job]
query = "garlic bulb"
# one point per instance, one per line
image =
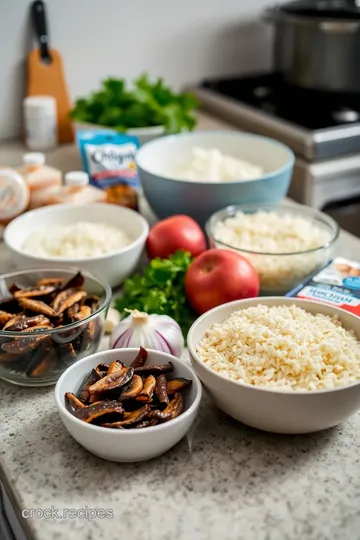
(158, 332)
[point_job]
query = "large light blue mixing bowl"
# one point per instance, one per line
(157, 161)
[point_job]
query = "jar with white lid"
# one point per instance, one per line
(40, 116)
(14, 196)
(77, 190)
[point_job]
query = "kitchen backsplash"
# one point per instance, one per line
(182, 41)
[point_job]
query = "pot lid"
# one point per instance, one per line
(323, 9)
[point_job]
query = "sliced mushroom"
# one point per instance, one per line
(5, 317)
(75, 282)
(148, 390)
(66, 299)
(102, 369)
(146, 423)
(161, 389)
(130, 418)
(34, 292)
(115, 367)
(132, 389)
(140, 359)
(113, 381)
(174, 409)
(84, 393)
(23, 322)
(23, 344)
(176, 385)
(51, 281)
(38, 306)
(90, 412)
(72, 403)
(154, 369)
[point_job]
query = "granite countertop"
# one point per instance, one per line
(224, 480)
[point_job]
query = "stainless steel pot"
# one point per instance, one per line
(317, 43)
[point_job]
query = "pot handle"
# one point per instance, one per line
(339, 27)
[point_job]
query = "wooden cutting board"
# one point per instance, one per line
(45, 73)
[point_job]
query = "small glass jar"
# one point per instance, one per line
(40, 116)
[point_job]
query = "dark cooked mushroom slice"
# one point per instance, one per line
(89, 333)
(174, 409)
(101, 370)
(130, 418)
(23, 322)
(83, 393)
(66, 299)
(132, 389)
(34, 292)
(6, 358)
(5, 317)
(83, 313)
(147, 392)
(23, 344)
(146, 423)
(140, 358)
(90, 412)
(93, 301)
(50, 281)
(115, 367)
(76, 282)
(176, 385)
(66, 353)
(37, 306)
(113, 381)
(9, 304)
(161, 389)
(72, 403)
(43, 361)
(154, 369)
(13, 288)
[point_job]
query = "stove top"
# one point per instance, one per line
(317, 125)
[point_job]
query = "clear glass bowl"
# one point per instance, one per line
(41, 356)
(280, 272)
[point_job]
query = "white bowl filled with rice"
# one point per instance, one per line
(285, 243)
(283, 365)
(105, 239)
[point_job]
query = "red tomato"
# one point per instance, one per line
(219, 276)
(174, 233)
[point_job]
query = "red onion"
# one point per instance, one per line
(158, 332)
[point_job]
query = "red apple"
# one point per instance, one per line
(173, 234)
(218, 276)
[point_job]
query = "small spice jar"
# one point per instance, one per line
(40, 119)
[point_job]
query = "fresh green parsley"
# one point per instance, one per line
(160, 289)
(145, 104)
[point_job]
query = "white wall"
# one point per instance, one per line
(182, 40)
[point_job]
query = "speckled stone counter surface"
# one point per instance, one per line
(223, 481)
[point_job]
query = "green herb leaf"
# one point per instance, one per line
(160, 289)
(146, 104)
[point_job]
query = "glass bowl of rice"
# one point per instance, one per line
(285, 243)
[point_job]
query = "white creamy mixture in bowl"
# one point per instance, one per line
(76, 241)
(212, 165)
(285, 244)
(107, 240)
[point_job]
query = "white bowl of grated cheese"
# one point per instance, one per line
(284, 365)
(104, 239)
(285, 243)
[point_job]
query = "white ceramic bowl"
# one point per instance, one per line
(158, 160)
(133, 444)
(113, 267)
(269, 409)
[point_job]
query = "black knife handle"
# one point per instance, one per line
(38, 16)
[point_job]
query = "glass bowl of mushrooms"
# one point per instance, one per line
(49, 319)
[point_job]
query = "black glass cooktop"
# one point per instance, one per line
(309, 109)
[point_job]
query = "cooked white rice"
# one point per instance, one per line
(272, 232)
(282, 347)
(80, 240)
